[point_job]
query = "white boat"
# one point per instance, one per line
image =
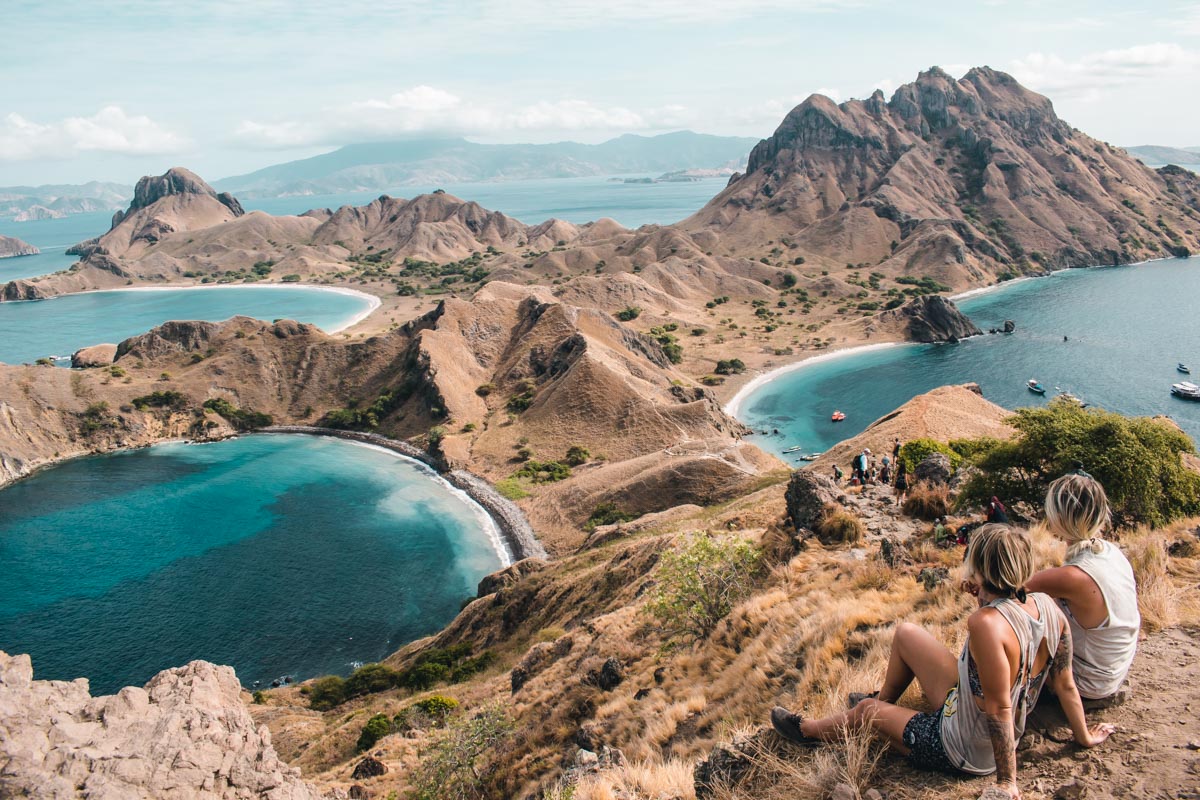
(795, 449)
(1070, 398)
(1186, 389)
(1035, 387)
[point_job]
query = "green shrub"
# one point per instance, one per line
(376, 728)
(438, 706)
(371, 678)
(457, 766)
(543, 471)
(241, 419)
(485, 389)
(628, 313)
(701, 581)
(606, 514)
(732, 366)
(577, 454)
(511, 489)
(326, 693)
(293, 278)
(1137, 459)
(167, 399)
(916, 451)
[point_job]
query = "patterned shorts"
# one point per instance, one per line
(923, 738)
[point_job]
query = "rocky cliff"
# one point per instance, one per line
(962, 180)
(931, 318)
(185, 735)
(11, 247)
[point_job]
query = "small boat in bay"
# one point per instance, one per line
(1186, 390)
(837, 416)
(811, 456)
(1070, 398)
(795, 449)
(1183, 368)
(1035, 387)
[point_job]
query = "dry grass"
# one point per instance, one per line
(927, 502)
(839, 526)
(643, 780)
(852, 760)
(1167, 585)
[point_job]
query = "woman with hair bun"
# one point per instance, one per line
(1095, 586)
(1016, 643)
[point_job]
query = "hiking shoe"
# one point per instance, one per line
(787, 725)
(854, 698)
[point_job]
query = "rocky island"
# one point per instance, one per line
(11, 248)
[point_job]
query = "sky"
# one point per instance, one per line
(112, 90)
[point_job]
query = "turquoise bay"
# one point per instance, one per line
(1126, 329)
(276, 554)
(33, 329)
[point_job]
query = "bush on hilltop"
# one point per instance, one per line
(1137, 459)
(700, 582)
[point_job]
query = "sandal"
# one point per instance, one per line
(787, 725)
(854, 698)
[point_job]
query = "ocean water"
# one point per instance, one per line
(532, 201)
(276, 554)
(1127, 328)
(52, 237)
(33, 329)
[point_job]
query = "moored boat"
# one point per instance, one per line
(1183, 368)
(837, 416)
(1186, 390)
(795, 449)
(1070, 398)
(1035, 387)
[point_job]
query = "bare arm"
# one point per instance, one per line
(1062, 680)
(987, 643)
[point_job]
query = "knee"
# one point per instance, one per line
(906, 631)
(865, 711)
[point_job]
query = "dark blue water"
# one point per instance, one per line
(276, 554)
(32, 329)
(1127, 329)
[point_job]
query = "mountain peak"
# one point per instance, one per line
(176, 181)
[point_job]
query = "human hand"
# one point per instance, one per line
(1001, 791)
(1098, 734)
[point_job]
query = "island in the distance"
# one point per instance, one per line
(11, 247)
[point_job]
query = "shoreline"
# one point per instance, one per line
(734, 406)
(517, 534)
(373, 301)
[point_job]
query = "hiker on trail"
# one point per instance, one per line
(860, 465)
(1095, 586)
(838, 474)
(885, 472)
(896, 449)
(1016, 643)
(996, 512)
(901, 483)
(942, 536)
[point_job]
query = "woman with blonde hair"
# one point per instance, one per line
(1095, 586)
(1016, 643)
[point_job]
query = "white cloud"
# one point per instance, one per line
(426, 109)
(1089, 76)
(110, 130)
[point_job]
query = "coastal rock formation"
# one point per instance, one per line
(98, 355)
(20, 290)
(959, 180)
(931, 318)
(185, 735)
(11, 247)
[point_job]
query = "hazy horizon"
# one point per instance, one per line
(135, 87)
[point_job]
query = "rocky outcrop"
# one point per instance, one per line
(934, 469)
(175, 181)
(931, 318)
(509, 575)
(11, 247)
(20, 290)
(807, 496)
(98, 355)
(959, 180)
(186, 734)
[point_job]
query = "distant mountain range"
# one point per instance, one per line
(1155, 155)
(383, 165)
(25, 203)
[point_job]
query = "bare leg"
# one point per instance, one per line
(917, 654)
(885, 718)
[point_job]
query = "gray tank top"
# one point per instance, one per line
(964, 725)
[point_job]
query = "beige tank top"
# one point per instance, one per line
(1104, 654)
(964, 725)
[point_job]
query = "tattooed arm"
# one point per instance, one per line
(991, 638)
(1062, 680)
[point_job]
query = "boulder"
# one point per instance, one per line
(368, 768)
(608, 677)
(186, 734)
(934, 469)
(98, 355)
(1009, 326)
(807, 495)
(932, 318)
(728, 764)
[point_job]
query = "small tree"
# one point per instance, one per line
(325, 693)
(577, 454)
(628, 313)
(456, 767)
(376, 728)
(1137, 459)
(700, 583)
